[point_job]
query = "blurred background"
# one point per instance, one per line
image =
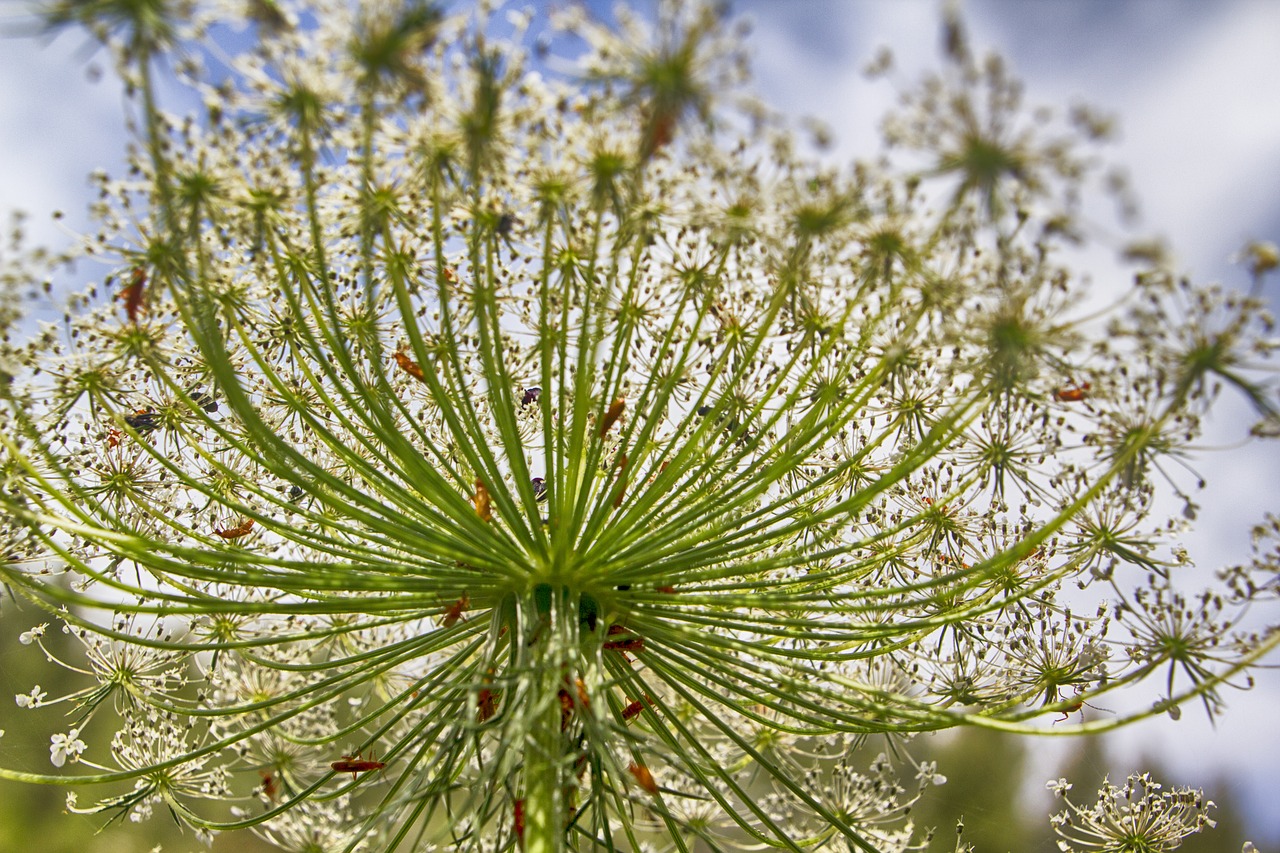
(1193, 85)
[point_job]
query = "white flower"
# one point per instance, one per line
(62, 747)
(1263, 256)
(928, 774)
(29, 637)
(1058, 786)
(1141, 815)
(34, 699)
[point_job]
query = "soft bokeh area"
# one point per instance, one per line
(1192, 86)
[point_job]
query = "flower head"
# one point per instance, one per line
(1139, 817)
(461, 473)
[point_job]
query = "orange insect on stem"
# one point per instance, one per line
(566, 708)
(354, 764)
(483, 503)
(409, 366)
(569, 703)
(133, 294)
(658, 132)
(622, 481)
(1077, 705)
(455, 611)
(1068, 711)
(486, 704)
(633, 710)
(234, 532)
(486, 701)
(1072, 393)
(615, 411)
(269, 787)
(630, 642)
(643, 777)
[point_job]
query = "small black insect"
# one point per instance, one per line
(295, 492)
(506, 224)
(143, 420)
(539, 489)
(203, 400)
(530, 396)
(703, 411)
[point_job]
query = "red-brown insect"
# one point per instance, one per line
(643, 777)
(566, 708)
(455, 611)
(354, 764)
(669, 590)
(1072, 393)
(584, 701)
(570, 703)
(269, 787)
(1077, 705)
(622, 481)
(486, 702)
(450, 276)
(610, 417)
(410, 366)
(630, 643)
(1069, 710)
(633, 710)
(113, 437)
(235, 532)
(658, 134)
(483, 504)
(133, 293)
(518, 809)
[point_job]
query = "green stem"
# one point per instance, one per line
(543, 791)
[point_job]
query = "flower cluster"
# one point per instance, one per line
(477, 450)
(1140, 816)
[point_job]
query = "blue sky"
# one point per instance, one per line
(1195, 87)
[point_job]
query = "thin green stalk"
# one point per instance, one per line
(544, 807)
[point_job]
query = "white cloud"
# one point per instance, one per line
(56, 125)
